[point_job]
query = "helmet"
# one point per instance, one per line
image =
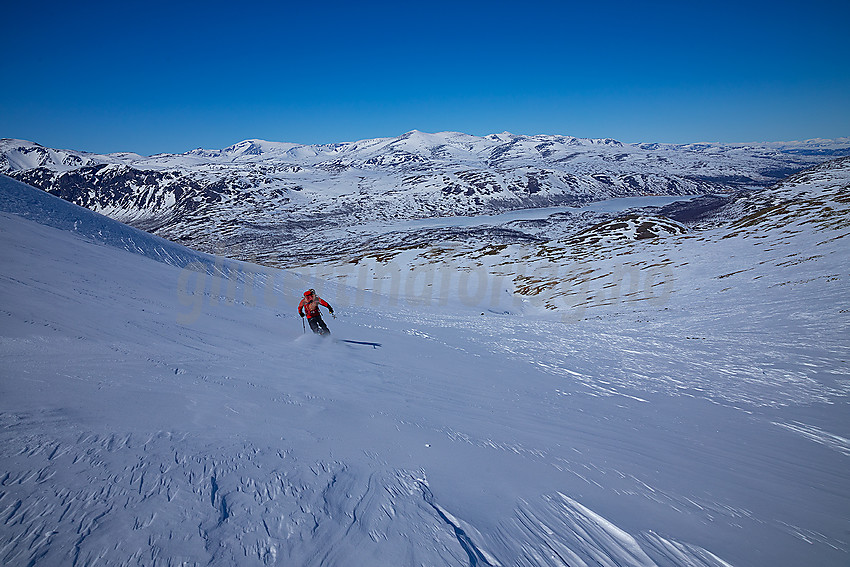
(309, 292)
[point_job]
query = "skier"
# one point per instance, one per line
(310, 305)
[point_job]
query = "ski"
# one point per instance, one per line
(373, 345)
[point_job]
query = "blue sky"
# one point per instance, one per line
(158, 77)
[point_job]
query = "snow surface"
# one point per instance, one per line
(164, 407)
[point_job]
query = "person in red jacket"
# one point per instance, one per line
(309, 306)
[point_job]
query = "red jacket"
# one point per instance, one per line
(311, 306)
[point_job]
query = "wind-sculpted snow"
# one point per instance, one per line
(159, 413)
(87, 499)
(173, 502)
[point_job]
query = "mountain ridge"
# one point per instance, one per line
(276, 197)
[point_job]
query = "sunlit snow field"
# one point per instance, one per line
(153, 414)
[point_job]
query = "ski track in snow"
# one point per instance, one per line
(705, 432)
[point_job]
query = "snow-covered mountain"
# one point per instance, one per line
(669, 402)
(279, 200)
(565, 262)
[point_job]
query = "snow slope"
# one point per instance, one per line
(155, 411)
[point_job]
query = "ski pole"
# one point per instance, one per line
(303, 324)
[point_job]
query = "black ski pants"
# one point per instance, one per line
(318, 325)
